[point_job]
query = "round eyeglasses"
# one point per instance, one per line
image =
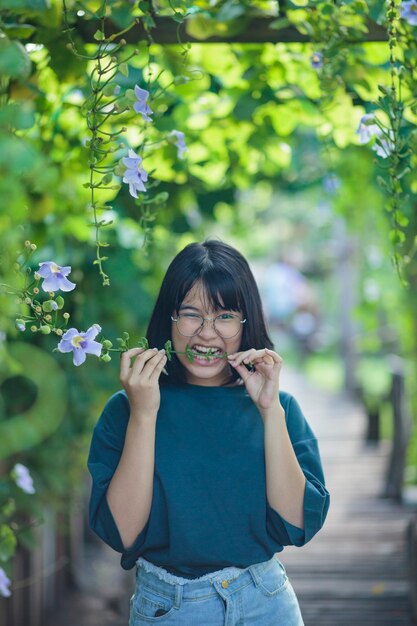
(226, 325)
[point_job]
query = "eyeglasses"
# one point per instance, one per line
(226, 325)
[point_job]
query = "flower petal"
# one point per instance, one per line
(65, 285)
(51, 283)
(79, 356)
(94, 347)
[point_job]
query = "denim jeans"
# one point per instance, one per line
(259, 595)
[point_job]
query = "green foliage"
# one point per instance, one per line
(264, 129)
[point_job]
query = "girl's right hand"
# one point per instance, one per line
(141, 380)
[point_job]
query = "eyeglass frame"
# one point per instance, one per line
(206, 319)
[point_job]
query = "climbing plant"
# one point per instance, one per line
(115, 146)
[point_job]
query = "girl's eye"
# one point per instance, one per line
(226, 316)
(191, 316)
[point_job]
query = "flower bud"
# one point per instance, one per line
(36, 276)
(59, 331)
(33, 329)
(27, 300)
(49, 305)
(38, 309)
(107, 344)
(48, 317)
(27, 243)
(20, 325)
(33, 246)
(65, 315)
(51, 294)
(35, 290)
(45, 329)
(60, 302)
(106, 358)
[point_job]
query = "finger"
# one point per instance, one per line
(158, 368)
(247, 356)
(125, 360)
(274, 356)
(154, 363)
(142, 360)
(242, 371)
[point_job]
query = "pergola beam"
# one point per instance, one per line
(258, 30)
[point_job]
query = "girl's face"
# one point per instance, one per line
(202, 371)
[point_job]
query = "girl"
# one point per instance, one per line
(202, 468)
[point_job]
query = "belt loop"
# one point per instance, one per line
(254, 573)
(178, 595)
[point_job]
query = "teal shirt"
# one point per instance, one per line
(209, 506)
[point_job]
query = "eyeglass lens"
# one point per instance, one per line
(226, 325)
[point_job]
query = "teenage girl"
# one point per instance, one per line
(202, 468)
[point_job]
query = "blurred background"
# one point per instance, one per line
(270, 99)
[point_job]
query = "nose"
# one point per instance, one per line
(207, 330)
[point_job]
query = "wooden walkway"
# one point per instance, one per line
(352, 573)
(354, 570)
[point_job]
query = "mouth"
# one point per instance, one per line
(208, 353)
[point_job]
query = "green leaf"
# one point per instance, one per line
(168, 349)
(143, 343)
(14, 60)
(60, 301)
(124, 69)
(18, 116)
(8, 542)
(18, 31)
(108, 90)
(8, 508)
(99, 35)
(101, 12)
(282, 22)
(130, 95)
(28, 538)
(29, 5)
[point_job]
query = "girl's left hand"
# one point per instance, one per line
(262, 383)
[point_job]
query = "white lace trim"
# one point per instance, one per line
(162, 574)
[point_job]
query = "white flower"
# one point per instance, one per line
(5, 582)
(367, 128)
(23, 478)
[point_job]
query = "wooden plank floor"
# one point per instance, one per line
(354, 570)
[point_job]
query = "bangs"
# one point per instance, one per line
(220, 291)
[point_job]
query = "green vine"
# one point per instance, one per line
(396, 148)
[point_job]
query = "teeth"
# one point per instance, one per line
(204, 349)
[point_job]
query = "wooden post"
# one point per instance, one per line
(402, 429)
(412, 563)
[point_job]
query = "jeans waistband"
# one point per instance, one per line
(225, 581)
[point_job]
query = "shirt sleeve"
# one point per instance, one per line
(104, 455)
(316, 496)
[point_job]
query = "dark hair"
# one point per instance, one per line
(225, 274)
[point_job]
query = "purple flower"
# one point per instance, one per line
(367, 128)
(384, 145)
(54, 276)
(22, 477)
(316, 60)
(409, 12)
(81, 343)
(140, 105)
(134, 175)
(179, 142)
(4, 584)
(331, 183)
